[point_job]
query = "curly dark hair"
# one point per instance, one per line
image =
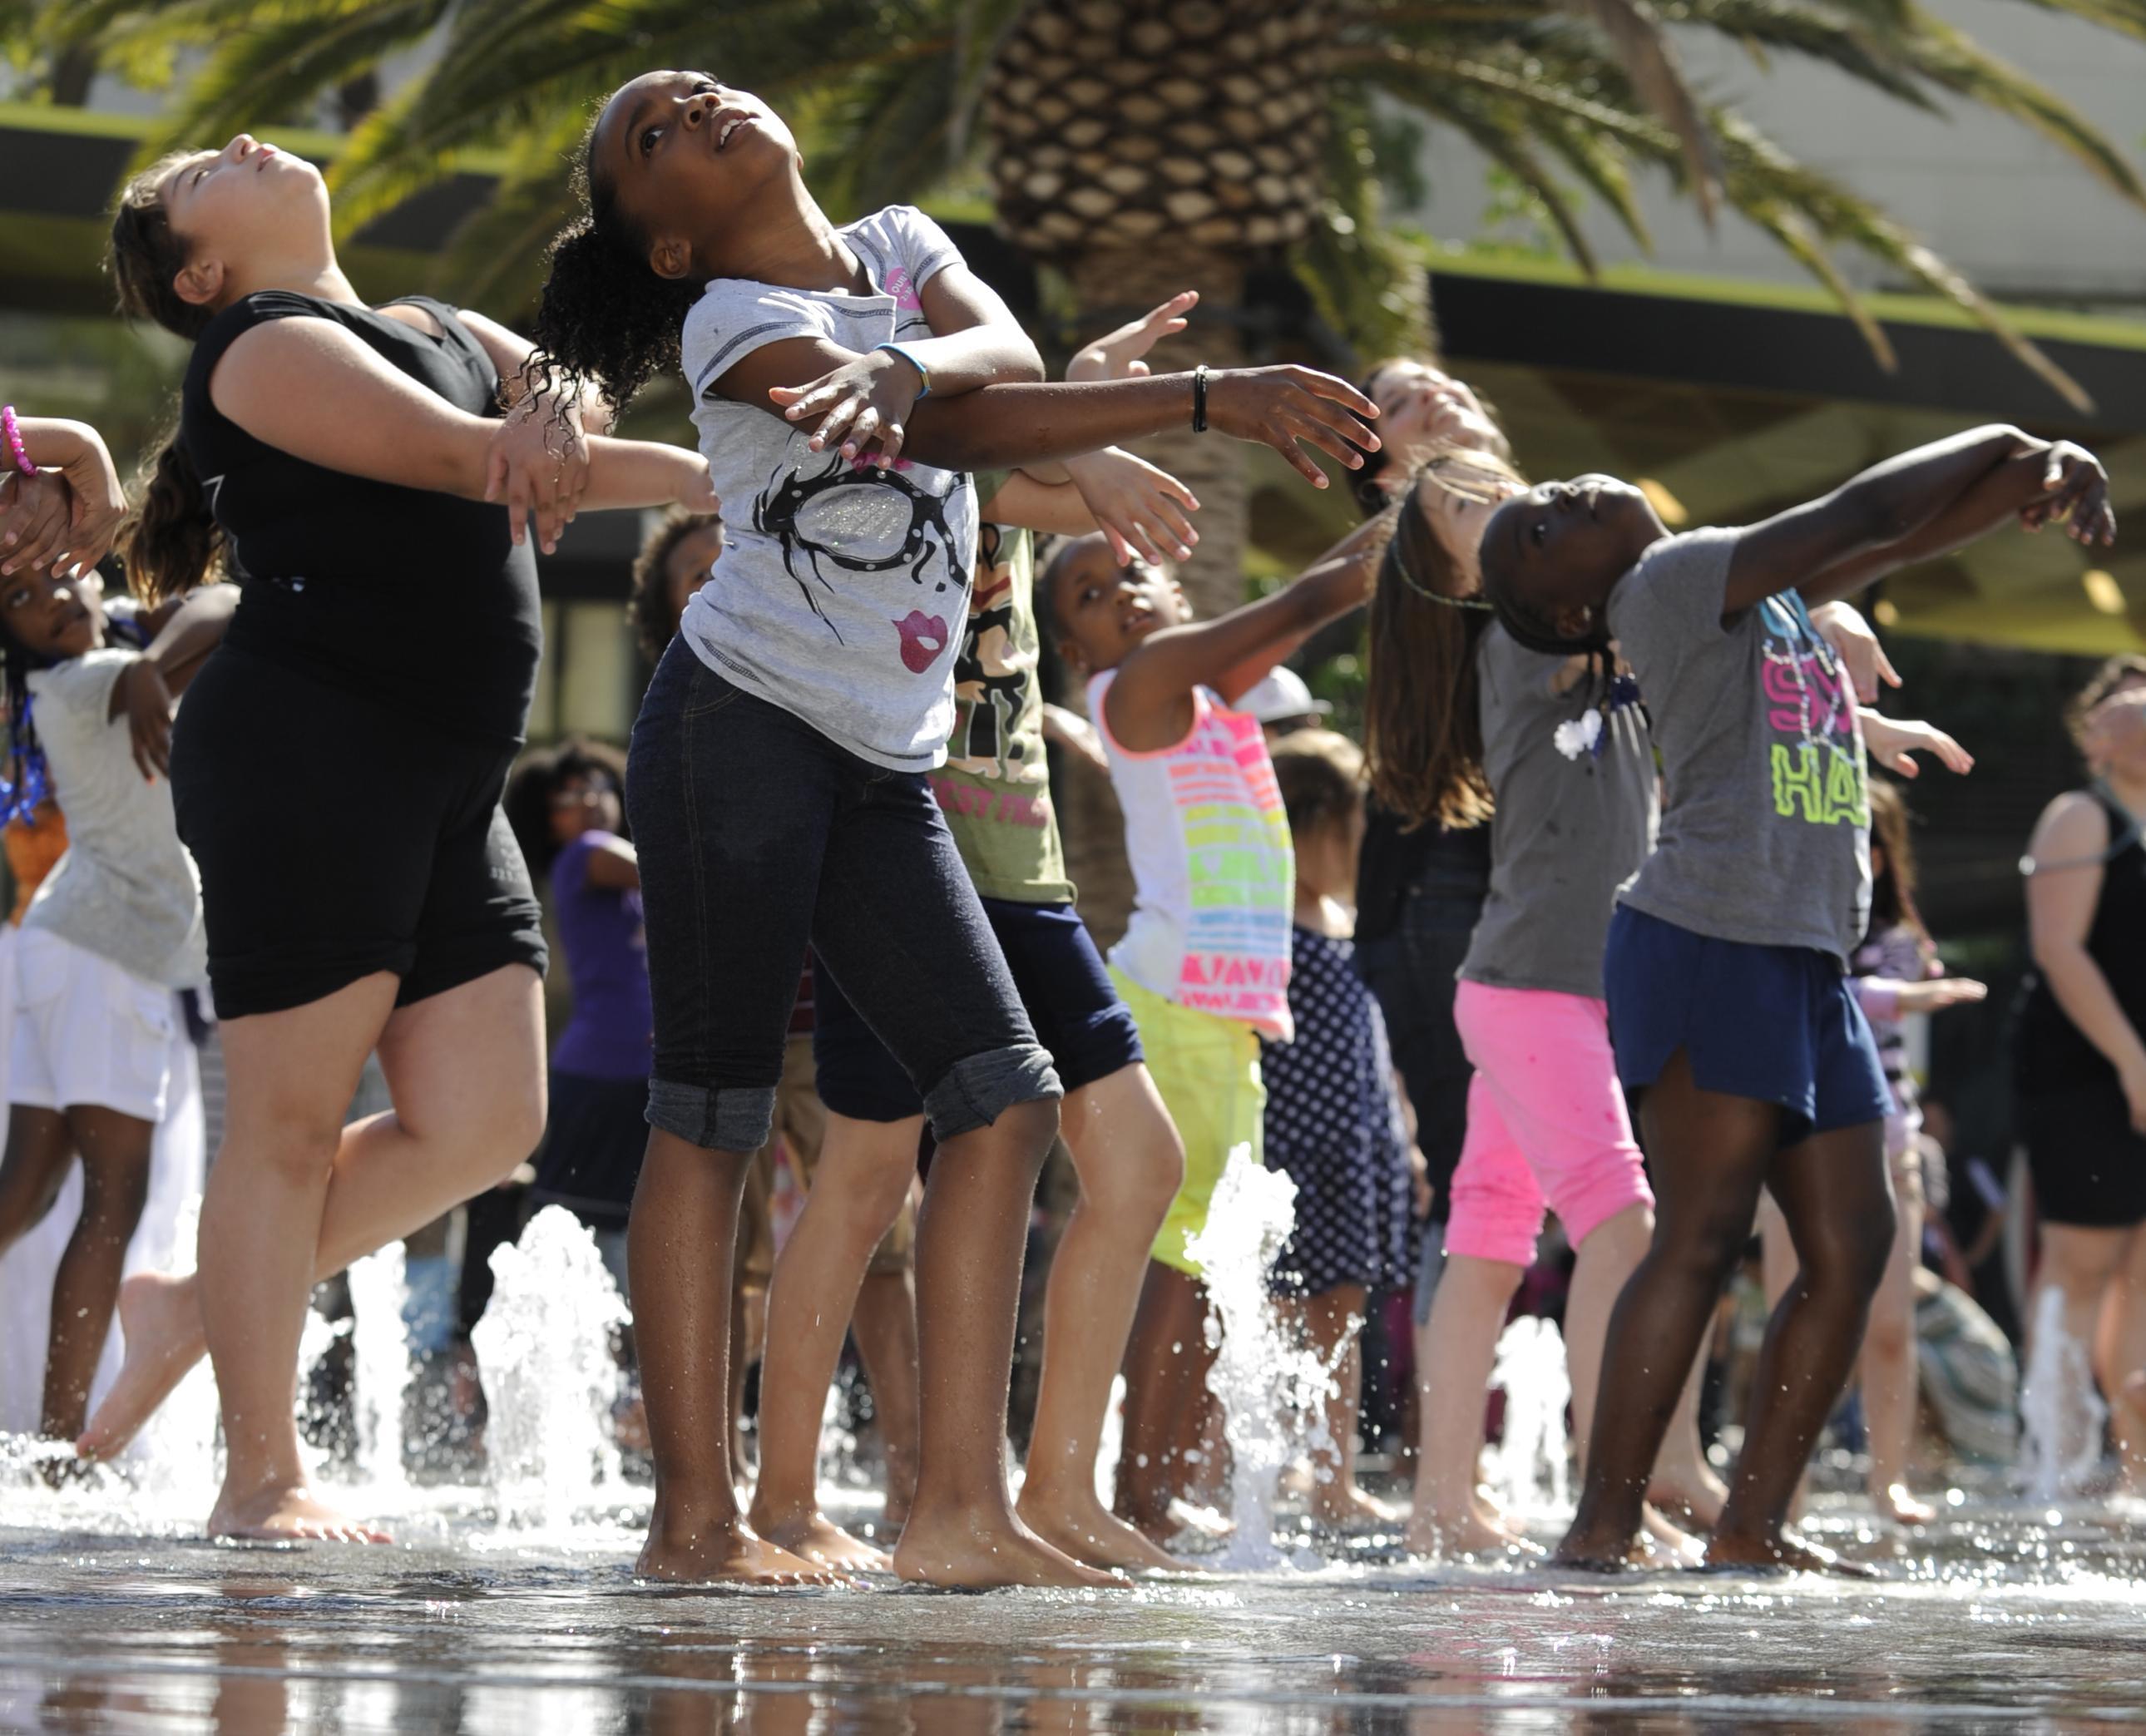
(607, 319)
(542, 773)
(648, 605)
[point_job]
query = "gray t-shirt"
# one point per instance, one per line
(842, 591)
(1765, 832)
(1576, 819)
(126, 890)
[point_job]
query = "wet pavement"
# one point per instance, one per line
(115, 1620)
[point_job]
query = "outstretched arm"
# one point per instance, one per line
(1149, 706)
(1937, 496)
(540, 452)
(1023, 424)
(307, 387)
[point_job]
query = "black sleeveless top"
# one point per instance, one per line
(415, 599)
(2052, 1055)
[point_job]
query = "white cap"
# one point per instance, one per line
(1280, 697)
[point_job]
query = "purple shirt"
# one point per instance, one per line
(609, 1035)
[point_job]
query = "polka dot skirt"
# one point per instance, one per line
(1333, 1124)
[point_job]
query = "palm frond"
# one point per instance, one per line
(1761, 173)
(1955, 61)
(1636, 36)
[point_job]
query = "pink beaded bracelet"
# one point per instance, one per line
(12, 433)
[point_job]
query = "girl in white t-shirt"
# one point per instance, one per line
(845, 382)
(114, 931)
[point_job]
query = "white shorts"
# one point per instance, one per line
(88, 1032)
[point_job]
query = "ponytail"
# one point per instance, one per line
(170, 543)
(607, 319)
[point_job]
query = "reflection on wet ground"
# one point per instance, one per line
(1994, 1619)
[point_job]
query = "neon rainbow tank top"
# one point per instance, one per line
(1214, 874)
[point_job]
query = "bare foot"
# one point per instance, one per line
(692, 1550)
(160, 1321)
(1662, 1545)
(287, 1514)
(1784, 1554)
(1352, 1509)
(1447, 1536)
(978, 1551)
(815, 1536)
(1594, 1549)
(1088, 1532)
(1693, 1497)
(1895, 1503)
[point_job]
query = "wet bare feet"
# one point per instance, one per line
(1662, 1545)
(287, 1513)
(1353, 1508)
(1595, 1548)
(815, 1536)
(1895, 1503)
(1692, 1498)
(160, 1322)
(975, 1550)
(1475, 1532)
(1786, 1553)
(1088, 1532)
(695, 1551)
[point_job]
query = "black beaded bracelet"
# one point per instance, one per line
(1199, 399)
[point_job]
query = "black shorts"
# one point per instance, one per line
(1063, 984)
(337, 839)
(2088, 1161)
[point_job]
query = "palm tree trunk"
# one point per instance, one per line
(1113, 287)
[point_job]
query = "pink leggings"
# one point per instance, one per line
(1547, 1124)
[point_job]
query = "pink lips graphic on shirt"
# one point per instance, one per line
(923, 637)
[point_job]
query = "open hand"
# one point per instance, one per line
(2075, 493)
(1118, 355)
(1138, 508)
(863, 403)
(538, 462)
(1844, 629)
(38, 521)
(1893, 743)
(1282, 406)
(1938, 993)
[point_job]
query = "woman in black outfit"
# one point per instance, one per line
(338, 766)
(2080, 1068)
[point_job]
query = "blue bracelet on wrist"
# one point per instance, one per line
(923, 373)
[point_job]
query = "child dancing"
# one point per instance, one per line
(1726, 961)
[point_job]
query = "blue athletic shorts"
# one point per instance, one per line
(1079, 1019)
(1778, 1024)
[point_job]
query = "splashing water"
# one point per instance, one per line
(1263, 1381)
(2061, 1414)
(380, 1347)
(1529, 1472)
(550, 1377)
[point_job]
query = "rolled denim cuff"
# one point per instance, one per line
(974, 1092)
(735, 1117)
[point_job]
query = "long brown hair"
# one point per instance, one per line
(1893, 892)
(1423, 724)
(171, 543)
